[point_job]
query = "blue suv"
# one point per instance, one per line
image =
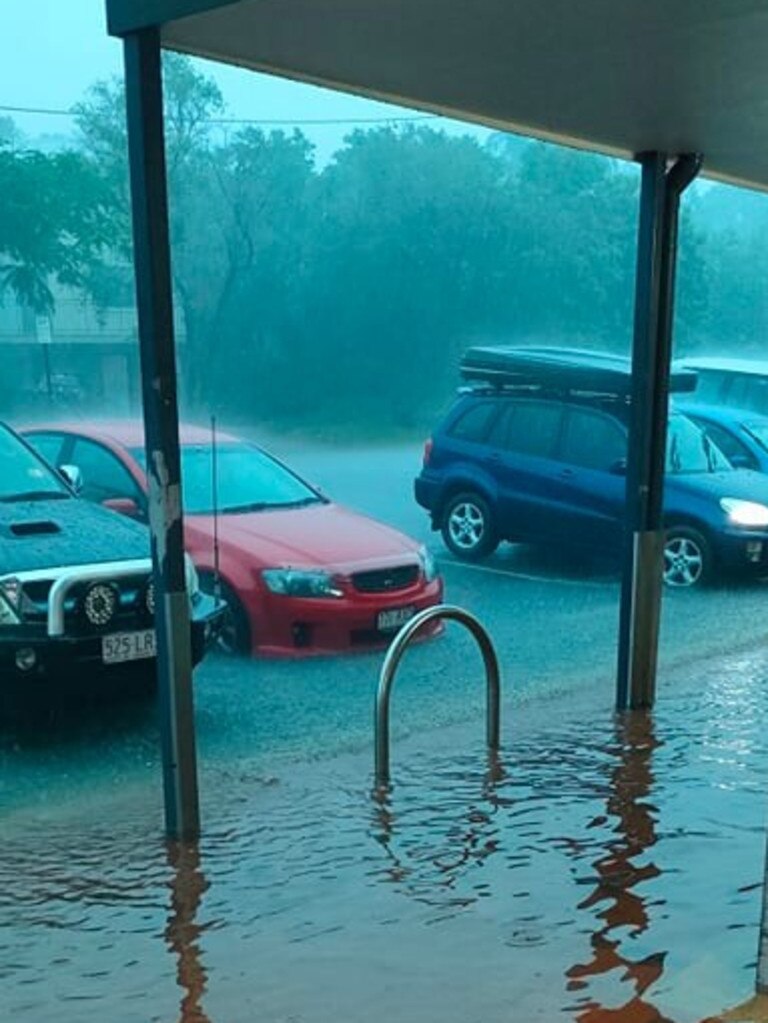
(534, 451)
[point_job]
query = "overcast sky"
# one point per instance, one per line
(52, 50)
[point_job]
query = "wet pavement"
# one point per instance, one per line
(601, 869)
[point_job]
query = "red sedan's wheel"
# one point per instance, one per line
(235, 636)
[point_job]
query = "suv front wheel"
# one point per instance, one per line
(687, 557)
(468, 529)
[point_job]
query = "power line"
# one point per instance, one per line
(53, 112)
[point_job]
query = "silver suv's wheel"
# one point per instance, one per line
(687, 558)
(468, 529)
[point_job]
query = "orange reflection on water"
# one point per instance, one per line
(471, 838)
(182, 932)
(620, 872)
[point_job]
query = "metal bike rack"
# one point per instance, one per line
(392, 660)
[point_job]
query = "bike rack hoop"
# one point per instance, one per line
(398, 647)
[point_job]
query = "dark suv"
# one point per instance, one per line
(76, 593)
(535, 451)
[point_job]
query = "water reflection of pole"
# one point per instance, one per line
(182, 931)
(618, 872)
(476, 839)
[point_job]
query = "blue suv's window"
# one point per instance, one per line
(749, 392)
(534, 428)
(689, 449)
(500, 431)
(592, 440)
(710, 386)
(473, 424)
(730, 446)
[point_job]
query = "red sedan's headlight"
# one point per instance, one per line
(291, 582)
(428, 564)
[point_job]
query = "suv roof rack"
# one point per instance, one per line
(562, 369)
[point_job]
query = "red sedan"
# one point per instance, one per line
(301, 574)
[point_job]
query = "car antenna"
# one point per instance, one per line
(215, 492)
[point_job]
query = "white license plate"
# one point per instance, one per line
(128, 646)
(389, 621)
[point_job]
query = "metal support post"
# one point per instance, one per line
(660, 193)
(761, 980)
(146, 148)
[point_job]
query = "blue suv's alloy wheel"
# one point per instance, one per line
(468, 529)
(686, 558)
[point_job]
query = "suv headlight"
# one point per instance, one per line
(745, 513)
(291, 582)
(10, 601)
(428, 564)
(7, 615)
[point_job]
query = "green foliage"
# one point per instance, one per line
(341, 297)
(54, 223)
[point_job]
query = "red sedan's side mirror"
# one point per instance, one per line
(124, 505)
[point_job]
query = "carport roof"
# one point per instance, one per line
(615, 76)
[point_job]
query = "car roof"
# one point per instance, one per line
(563, 369)
(753, 367)
(128, 433)
(728, 415)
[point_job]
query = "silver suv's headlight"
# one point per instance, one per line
(428, 564)
(292, 582)
(749, 514)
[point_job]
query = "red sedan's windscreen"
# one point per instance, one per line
(247, 480)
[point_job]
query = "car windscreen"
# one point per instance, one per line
(247, 480)
(690, 450)
(24, 476)
(760, 433)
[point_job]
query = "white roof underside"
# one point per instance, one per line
(617, 76)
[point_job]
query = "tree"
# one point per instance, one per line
(235, 211)
(572, 217)
(55, 223)
(241, 229)
(399, 268)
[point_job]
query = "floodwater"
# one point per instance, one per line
(600, 869)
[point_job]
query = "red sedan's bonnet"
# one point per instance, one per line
(323, 535)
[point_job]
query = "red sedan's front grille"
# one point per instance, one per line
(386, 580)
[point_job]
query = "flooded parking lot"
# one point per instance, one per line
(600, 869)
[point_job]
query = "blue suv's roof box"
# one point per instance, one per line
(562, 369)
